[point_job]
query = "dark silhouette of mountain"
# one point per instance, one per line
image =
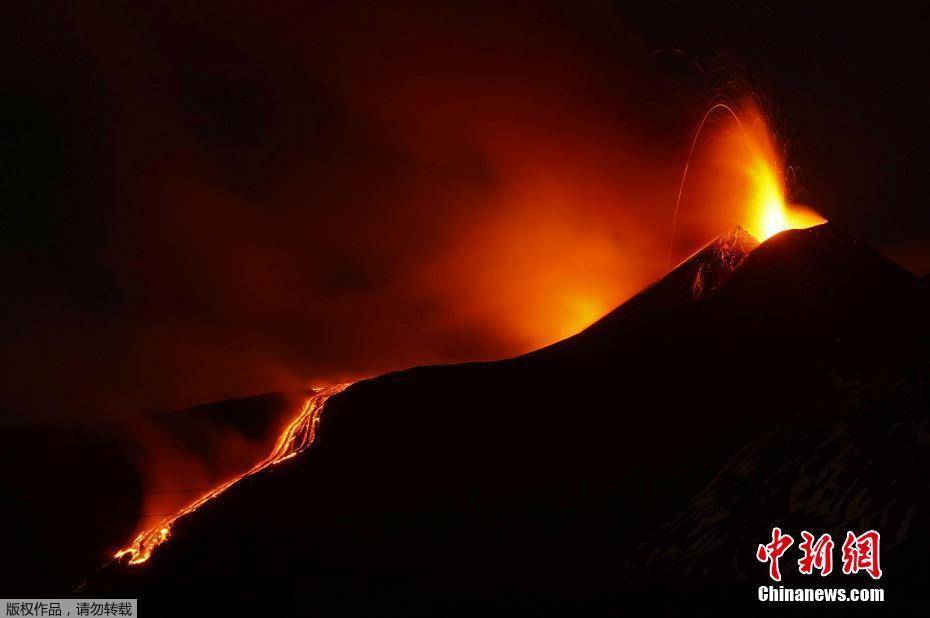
(74, 493)
(257, 418)
(698, 276)
(860, 465)
(208, 431)
(530, 485)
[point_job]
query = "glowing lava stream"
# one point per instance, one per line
(297, 436)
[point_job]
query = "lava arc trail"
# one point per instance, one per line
(297, 436)
(750, 175)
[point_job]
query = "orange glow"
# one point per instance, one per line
(735, 174)
(558, 242)
(768, 210)
(297, 436)
(777, 217)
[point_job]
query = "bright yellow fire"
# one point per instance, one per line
(769, 211)
(739, 177)
(775, 216)
(749, 147)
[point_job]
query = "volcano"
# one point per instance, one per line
(645, 455)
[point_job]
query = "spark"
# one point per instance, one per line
(767, 205)
(684, 174)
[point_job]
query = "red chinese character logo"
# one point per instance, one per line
(817, 555)
(773, 551)
(860, 553)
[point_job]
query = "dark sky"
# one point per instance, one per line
(843, 81)
(203, 200)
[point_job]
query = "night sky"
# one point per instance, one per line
(203, 200)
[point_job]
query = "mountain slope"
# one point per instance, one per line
(864, 466)
(522, 485)
(696, 277)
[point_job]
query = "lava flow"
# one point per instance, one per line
(297, 436)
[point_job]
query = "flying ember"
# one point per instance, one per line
(735, 174)
(768, 209)
(297, 436)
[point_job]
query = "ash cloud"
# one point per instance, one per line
(233, 200)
